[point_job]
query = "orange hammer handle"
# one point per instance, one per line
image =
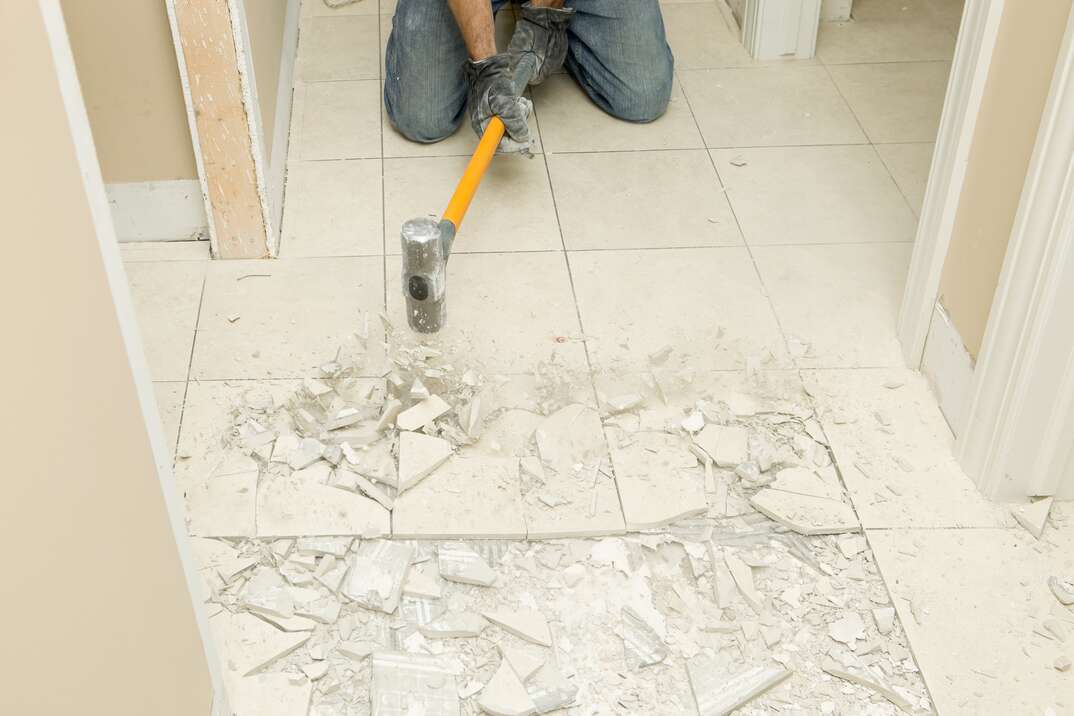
(475, 172)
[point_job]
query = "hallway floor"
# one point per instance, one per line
(624, 305)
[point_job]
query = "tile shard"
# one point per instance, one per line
(869, 679)
(419, 456)
(459, 563)
(421, 585)
(720, 694)
(524, 665)
(528, 624)
(726, 445)
(742, 574)
(405, 684)
(459, 625)
(805, 514)
(641, 644)
(377, 573)
(1033, 516)
(885, 619)
(1063, 589)
(505, 695)
(248, 643)
(422, 414)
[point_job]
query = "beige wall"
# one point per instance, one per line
(1015, 93)
(265, 20)
(97, 617)
(130, 82)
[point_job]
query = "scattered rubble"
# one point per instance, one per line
(1033, 516)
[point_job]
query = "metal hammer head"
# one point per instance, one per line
(426, 248)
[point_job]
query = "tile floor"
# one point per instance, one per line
(766, 220)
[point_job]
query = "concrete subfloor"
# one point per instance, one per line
(763, 226)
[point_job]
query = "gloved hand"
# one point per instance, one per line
(542, 32)
(492, 94)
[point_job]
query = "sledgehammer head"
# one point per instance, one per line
(426, 248)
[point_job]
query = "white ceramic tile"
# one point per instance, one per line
(897, 101)
(166, 297)
(467, 497)
(301, 503)
(337, 120)
(170, 404)
(513, 209)
(164, 250)
(626, 200)
(973, 603)
(339, 48)
(909, 165)
(840, 303)
(293, 314)
(768, 106)
(947, 13)
(904, 40)
(572, 123)
(706, 304)
(814, 195)
(659, 479)
(333, 208)
(700, 37)
(506, 312)
(893, 449)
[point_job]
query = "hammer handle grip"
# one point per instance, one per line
(475, 172)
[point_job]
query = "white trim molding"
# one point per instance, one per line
(277, 163)
(774, 29)
(836, 10)
(158, 210)
(949, 368)
(969, 73)
(1018, 438)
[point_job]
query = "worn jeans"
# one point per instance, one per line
(618, 54)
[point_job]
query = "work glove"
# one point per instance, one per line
(493, 94)
(541, 32)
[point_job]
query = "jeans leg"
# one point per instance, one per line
(425, 88)
(620, 56)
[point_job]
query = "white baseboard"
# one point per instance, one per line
(778, 29)
(281, 130)
(835, 10)
(158, 210)
(949, 368)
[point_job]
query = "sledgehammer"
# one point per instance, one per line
(427, 243)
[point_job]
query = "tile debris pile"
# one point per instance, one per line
(702, 560)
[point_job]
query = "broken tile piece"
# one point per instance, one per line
(459, 563)
(357, 650)
(1033, 516)
(419, 584)
(377, 572)
(505, 695)
(719, 694)
(309, 451)
(641, 644)
(422, 414)
(458, 625)
(848, 629)
(527, 624)
(524, 665)
(885, 619)
(803, 481)
(624, 403)
(805, 514)
(550, 690)
(743, 576)
(405, 684)
(303, 503)
(248, 643)
(1063, 589)
(726, 445)
(869, 679)
(659, 480)
(419, 455)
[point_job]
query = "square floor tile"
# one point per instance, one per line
(333, 208)
(700, 37)
(947, 13)
(166, 297)
(164, 250)
(513, 209)
(707, 304)
(339, 48)
(467, 497)
(840, 303)
(769, 106)
(973, 603)
(915, 38)
(506, 312)
(897, 101)
(289, 316)
(909, 165)
(814, 195)
(893, 448)
(572, 123)
(170, 405)
(629, 200)
(337, 120)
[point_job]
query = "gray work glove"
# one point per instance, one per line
(492, 94)
(541, 32)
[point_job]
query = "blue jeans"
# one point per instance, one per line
(618, 54)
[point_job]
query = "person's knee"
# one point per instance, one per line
(420, 123)
(644, 97)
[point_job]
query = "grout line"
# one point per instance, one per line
(190, 363)
(848, 105)
(745, 240)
